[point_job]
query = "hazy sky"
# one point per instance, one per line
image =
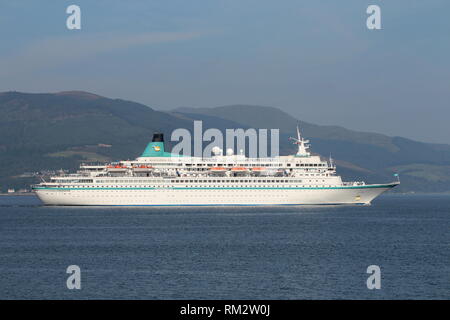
(314, 59)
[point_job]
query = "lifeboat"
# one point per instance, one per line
(143, 168)
(239, 169)
(116, 168)
(218, 169)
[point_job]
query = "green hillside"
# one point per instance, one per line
(54, 131)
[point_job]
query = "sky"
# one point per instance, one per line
(315, 59)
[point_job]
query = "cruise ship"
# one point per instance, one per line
(160, 178)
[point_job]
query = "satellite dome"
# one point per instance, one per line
(229, 152)
(216, 151)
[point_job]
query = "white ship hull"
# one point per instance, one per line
(158, 178)
(211, 196)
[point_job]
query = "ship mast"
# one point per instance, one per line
(302, 144)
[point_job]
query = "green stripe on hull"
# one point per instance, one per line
(225, 188)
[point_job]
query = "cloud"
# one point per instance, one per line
(55, 51)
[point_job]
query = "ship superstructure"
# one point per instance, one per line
(159, 178)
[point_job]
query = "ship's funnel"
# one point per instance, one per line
(156, 147)
(158, 137)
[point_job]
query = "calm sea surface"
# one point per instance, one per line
(231, 253)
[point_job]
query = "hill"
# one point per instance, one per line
(60, 130)
(52, 131)
(424, 167)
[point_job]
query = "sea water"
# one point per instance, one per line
(320, 252)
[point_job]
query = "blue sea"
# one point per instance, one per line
(227, 253)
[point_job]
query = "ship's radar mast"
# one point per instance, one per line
(303, 145)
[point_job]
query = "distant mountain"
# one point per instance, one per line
(360, 155)
(60, 130)
(52, 131)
